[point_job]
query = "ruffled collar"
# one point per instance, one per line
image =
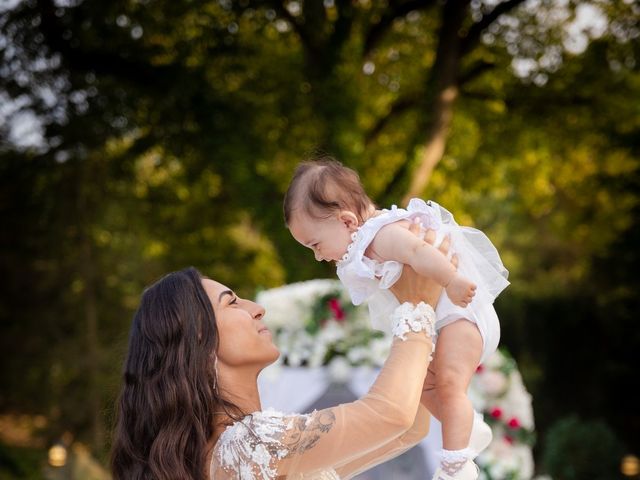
(355, 235)
(347, 256)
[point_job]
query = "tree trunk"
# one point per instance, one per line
(93, 345)
(435, 144)
(88, 275)
(446, 70)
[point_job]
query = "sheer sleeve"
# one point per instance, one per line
(390, 450)
(270, 444)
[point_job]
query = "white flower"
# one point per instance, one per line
(493, 382)
(517, 402)
(339, 370)
(495, 361)
(503, 459)
(294, 359)
(331, 332)
(289, 306)
(525, 461)
(357, 354)
(317, 355)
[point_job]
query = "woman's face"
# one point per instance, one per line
(244, 339)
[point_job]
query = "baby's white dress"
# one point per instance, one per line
(478, 260)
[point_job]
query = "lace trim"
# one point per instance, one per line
(249, 446)
(354, 236)
(455, 456)
(409, 318)
(347, 255)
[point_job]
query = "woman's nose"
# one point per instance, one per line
(258, 311)
(318, 256)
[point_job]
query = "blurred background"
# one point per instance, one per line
(142, 136)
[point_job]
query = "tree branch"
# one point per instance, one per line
(481, 96)
(101, 62)
(474, 72)
(473, 37)
(377, 30)
(401, 105)
(304, 36)
(343, 24)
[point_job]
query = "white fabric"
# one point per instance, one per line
(413, 318)
(248, 447)
(453, 456)
(478, 260)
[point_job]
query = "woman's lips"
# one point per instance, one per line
(264, 330)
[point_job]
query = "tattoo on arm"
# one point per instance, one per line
(306, 431)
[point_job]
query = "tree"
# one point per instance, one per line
(165, 134)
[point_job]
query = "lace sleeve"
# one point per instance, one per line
(269, 444)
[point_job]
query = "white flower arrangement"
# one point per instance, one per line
(498, 392)
(315, 324)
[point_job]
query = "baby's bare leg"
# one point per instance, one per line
(457, 355)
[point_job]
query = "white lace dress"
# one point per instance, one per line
(338, 442)
(369, 280)
(250, 449)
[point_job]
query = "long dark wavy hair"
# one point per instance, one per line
(169, 393)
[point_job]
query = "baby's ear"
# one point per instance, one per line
(349, 219)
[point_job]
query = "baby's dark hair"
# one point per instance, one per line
(322, 186)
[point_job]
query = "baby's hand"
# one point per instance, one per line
(460, 290)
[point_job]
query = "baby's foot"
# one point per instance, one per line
(481, 435)
(460, 290)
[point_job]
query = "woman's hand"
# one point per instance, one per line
(414, 288)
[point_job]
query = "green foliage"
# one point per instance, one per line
(21, 463)
(577, 449)
(170, 131)
(328, 306)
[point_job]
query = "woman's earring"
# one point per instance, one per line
(215, 369)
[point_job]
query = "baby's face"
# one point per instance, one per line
(328, 238)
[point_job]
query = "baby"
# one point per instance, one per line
(327, 210)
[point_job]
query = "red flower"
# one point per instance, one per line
(514, 423)
(508, 439)
(496, 412)
(336, 309)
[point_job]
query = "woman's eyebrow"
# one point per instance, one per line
(222, 294)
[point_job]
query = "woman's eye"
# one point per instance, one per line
(234, 301)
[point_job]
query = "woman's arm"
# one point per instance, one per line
(390, 450)
(267, 445)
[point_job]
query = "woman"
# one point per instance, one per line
(190, 407)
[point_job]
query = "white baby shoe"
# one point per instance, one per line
(469, 471)
(481, 435)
